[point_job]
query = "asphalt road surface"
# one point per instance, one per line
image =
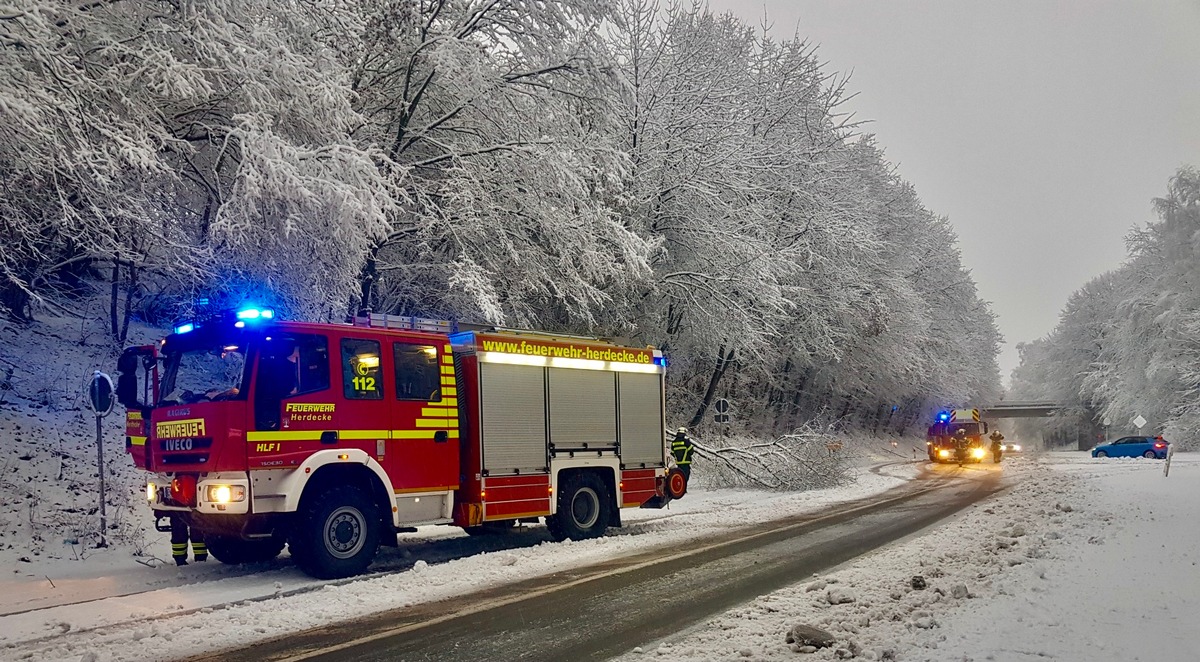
(598, 612)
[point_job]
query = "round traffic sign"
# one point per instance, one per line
(100, 394)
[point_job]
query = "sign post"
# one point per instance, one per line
(101, 400)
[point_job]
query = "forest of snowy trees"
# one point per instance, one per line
(609, 167)
(1128, 342)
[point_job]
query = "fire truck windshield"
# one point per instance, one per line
(199, 369)
(972, 428)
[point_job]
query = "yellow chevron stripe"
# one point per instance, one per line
(137, 441)
(449, 391)
(447, 381)
(447, 370)
(439, 411)
(437, 423)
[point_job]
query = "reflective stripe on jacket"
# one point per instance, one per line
(682, 448)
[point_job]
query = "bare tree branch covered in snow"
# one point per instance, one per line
(808, 458)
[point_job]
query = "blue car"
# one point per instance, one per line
(1150, 447)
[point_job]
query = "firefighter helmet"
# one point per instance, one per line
(681, 430)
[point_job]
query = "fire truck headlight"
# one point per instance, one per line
(1016, 447)
(943, 453)
(151, 492)
(226, 493)
(978, 453)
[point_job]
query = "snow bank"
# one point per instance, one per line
(1083, 560)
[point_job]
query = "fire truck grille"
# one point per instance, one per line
(183, 458)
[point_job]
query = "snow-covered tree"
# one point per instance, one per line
(498, 111)
(621, 167)
(1126, 342)
(196, 139)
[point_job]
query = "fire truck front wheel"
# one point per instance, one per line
(336, 534)
(584, 508)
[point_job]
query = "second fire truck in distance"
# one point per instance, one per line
(940, 439)
(331, 438)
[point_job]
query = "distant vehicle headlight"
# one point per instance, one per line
(1016, 447)
(943, 453)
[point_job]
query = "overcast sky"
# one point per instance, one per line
(1041, 128)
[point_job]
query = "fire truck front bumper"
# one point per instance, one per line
(216, 494)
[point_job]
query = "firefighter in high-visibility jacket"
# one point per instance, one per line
(681, 448)
(180, 532)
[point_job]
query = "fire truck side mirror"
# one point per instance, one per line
(127, 382)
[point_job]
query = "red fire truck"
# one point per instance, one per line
(940, 439)
(331, 438)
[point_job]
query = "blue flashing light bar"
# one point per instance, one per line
(943, 417)
(255, 313)
(185, 328)
(660, 360)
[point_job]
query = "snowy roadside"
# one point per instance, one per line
(184, 620)
(48, 466)
(1085, 560)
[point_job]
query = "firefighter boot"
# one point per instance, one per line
(179, 553)
(199, 551)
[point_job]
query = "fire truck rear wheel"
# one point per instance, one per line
(232, 551)
(584, 508)
(337, 533)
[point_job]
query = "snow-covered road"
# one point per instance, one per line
(1083, 560)
(117, 609)
(1086, 560)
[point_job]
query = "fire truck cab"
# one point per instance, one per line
(331, 438)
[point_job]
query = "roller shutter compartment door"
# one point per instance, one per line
(513, 418)
(641, 419)
(583, 409)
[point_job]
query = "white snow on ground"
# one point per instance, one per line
(183, 620)
(48, 469)
(1085, 559)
